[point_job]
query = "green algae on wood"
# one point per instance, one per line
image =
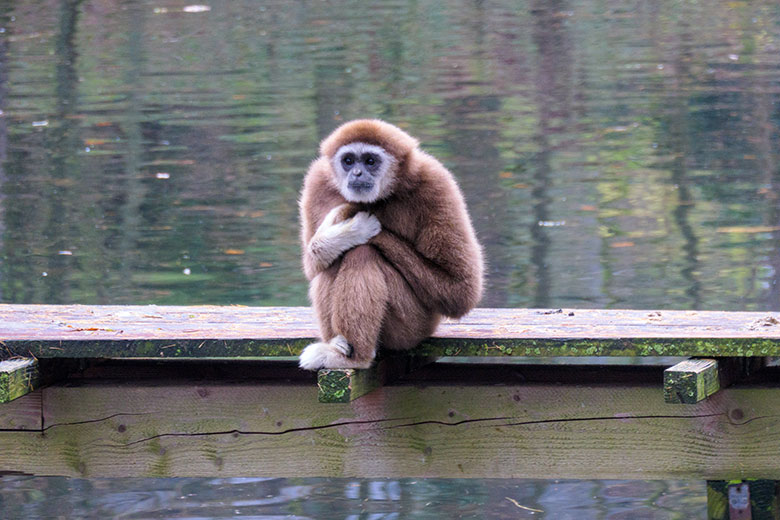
(162, 348)
(691, 381)
(342, 385)
(18, 377)
(629, 347)
(436, 347)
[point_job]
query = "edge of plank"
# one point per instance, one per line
(18, 377)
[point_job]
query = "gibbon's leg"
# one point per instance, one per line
(407, 322)
(356, 304)
(359, 302)
(320, 292)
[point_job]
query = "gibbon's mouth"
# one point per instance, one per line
(361, 186)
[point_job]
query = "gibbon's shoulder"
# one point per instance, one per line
(318, 174)
(435, 180)
(318, 183)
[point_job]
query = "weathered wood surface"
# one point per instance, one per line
(259, 332)
(159, 427)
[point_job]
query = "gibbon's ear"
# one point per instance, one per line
(371, 131)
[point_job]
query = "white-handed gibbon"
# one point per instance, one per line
(388, 245)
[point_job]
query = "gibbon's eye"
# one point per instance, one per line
(371, 161)
(348, 160)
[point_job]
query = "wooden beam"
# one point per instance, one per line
(691, 381)
(167, 428)
(22, 414)
(18, 377)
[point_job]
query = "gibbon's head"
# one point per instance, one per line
(366, 157)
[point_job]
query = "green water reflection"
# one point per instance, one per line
(613, 155)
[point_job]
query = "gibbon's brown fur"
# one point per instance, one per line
(391, 290)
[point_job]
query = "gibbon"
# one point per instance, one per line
(388, 246)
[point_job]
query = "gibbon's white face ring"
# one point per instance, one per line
(364, 172)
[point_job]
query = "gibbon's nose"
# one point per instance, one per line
(358, 172)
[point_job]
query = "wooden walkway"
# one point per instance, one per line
(103, 391)
(78, 331)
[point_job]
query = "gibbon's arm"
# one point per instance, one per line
(336, 235)
(329, 225)
(318, 202)
(317, 256)
(446, 274)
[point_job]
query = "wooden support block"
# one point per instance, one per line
(691, 381)
(750, 499)
(342, 385)
(18, 377)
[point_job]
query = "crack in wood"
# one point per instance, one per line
(379, 421)
(447, 423)
(74, 423)
(245, 432)
(575, 419)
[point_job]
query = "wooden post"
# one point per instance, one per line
(342, 385)
(691, 381)
(750, 499)
(18, 377)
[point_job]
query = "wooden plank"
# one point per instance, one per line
(78, 331)
(18, 377)
(198, 428)
(691, 381)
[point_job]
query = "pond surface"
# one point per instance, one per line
(613, 155)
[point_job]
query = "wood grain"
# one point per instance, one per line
(261, 332)
(164, 428)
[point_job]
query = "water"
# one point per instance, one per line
(342, 499)
(613, 154)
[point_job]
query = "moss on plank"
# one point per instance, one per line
(342, 385)
(434, 347)
(159, 348)
(18, 377)
(734, 347)
(691, 381)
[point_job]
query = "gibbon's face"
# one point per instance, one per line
(364, 172)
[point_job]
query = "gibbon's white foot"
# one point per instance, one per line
(332, 239)
(333, 354)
